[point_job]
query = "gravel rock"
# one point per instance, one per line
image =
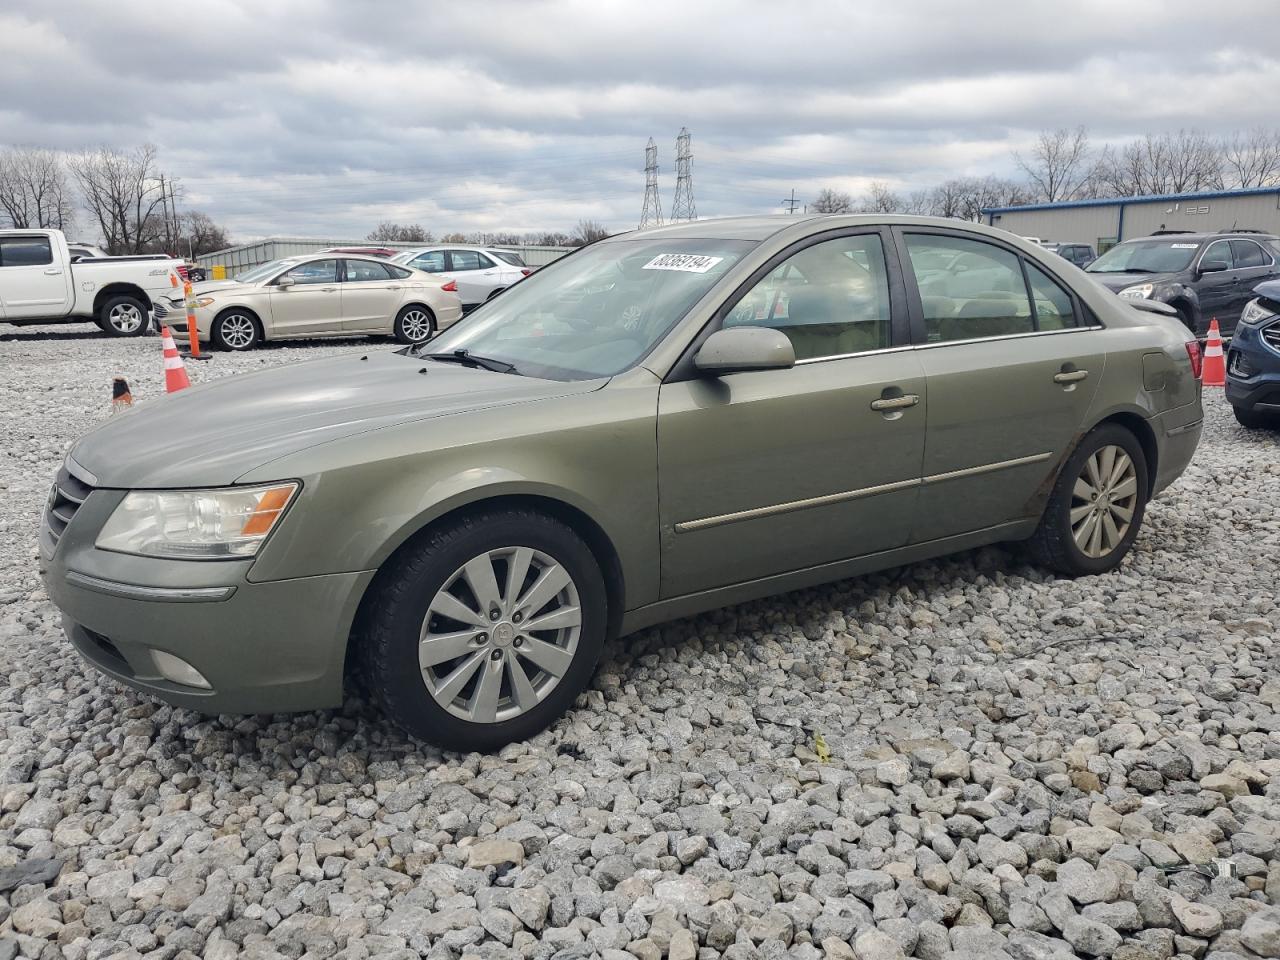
(1020, 765)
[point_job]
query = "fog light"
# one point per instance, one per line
(178, 670)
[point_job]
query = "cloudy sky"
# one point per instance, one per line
(323, 117)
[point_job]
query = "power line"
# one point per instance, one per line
(682, 207)
(651, 215)
(790, 202)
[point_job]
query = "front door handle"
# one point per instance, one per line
(53, 272)
(394, 287)
(1070, 376)
(895, 403)
(328, 289)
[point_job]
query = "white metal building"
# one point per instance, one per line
(245, 256)
(1104, 223)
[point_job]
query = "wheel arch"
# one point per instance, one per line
(237, 308)
(120, 289)
(574, 517)
(1145, 436)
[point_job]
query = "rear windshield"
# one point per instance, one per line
(1147, 256)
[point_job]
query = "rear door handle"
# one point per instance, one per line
(1070, 376)
(895, 403)
(328, 289)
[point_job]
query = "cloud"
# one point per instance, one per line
(318, 117)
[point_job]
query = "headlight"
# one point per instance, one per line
(1141, 292)
(1255, 312)
(204, 301)
(196, 524)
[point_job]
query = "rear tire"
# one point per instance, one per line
(434, 642)
(235, 330)
(1254, 419)
(414, 324)
(123, 316)
(1097, 505)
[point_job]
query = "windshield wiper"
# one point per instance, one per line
(467, 358)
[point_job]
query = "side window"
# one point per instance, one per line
(1053, 306)
(1249, 254)
(430, 262)
(398, 273)
(969, 289)
(464, 260)
(362, 270)
(25, 252)
(315, 271)
(830, 299)
(1218, 250)
(484, 263)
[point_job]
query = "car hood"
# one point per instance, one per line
(215, 433)
(1270, 289)
(1118, 281)
(211, 287)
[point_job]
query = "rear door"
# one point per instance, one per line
(770, 471)
(476, 274)
(1253, 264)
(370, 296)
(31, 283)
(1011, 371)
(312, 305)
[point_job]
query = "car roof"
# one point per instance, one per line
(764, 227)
(1179, 236)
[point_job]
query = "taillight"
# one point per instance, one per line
(1193, 352)
(452, 287)
(525, 271)
(182, 272)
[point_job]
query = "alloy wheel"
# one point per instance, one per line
(1103, 501)
(500, 634)
(238, 331)
(125, 317)
(416, 326)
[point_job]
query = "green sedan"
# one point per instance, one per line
(661, 423)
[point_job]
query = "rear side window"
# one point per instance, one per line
(1249, 254)
(25, 251)
(969, 289)
(1053, 305)
(362, 270)
(398, 273)
(464, 260)
(508, 256)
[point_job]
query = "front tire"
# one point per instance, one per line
(1254, 419)
(123, 316)
(486, 631)
(414, 324)
(1097, 505)
(235, 330)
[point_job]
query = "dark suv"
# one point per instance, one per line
(1081, 254)
(1201, 275)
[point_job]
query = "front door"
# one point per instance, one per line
(1217, 291)
(370, 295)
(31, 284)
(311, 305)
(1011, 373)
(765, 472)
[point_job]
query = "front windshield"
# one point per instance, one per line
(264, 271)
(594, 313)
(1146, 256)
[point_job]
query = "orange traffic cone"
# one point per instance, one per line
(175, 374)
(1215, 367)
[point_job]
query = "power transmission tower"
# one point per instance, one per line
(682, 207)
(651, 215)
(790, 202)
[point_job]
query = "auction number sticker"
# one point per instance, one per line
(684, 262)
(1184, 246)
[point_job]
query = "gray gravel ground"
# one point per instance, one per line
(1019, 766)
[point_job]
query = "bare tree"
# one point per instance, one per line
(200, 234)
(831, 201)
(124, 194)
(400, 233)
(1181, 162)
(588, 231)
(880, 199)
(919, 202)
(1058, 166)
(34, 190)
(1251, 159)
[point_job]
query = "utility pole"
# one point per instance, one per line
(682, 207)
(651, 215)
(791, 202)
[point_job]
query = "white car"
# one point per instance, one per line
(480, 272)
(39, 283)
(319, 295)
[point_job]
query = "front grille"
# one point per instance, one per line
(68, 493)
(1271, 335)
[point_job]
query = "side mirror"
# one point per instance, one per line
(1213, 266)
(284, 283)
(738, 349)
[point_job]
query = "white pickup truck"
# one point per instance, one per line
(40, 284)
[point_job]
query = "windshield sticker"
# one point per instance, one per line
(1184, 246)
(684, 262)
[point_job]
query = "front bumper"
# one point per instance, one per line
(1253, 371)
(269, 647)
